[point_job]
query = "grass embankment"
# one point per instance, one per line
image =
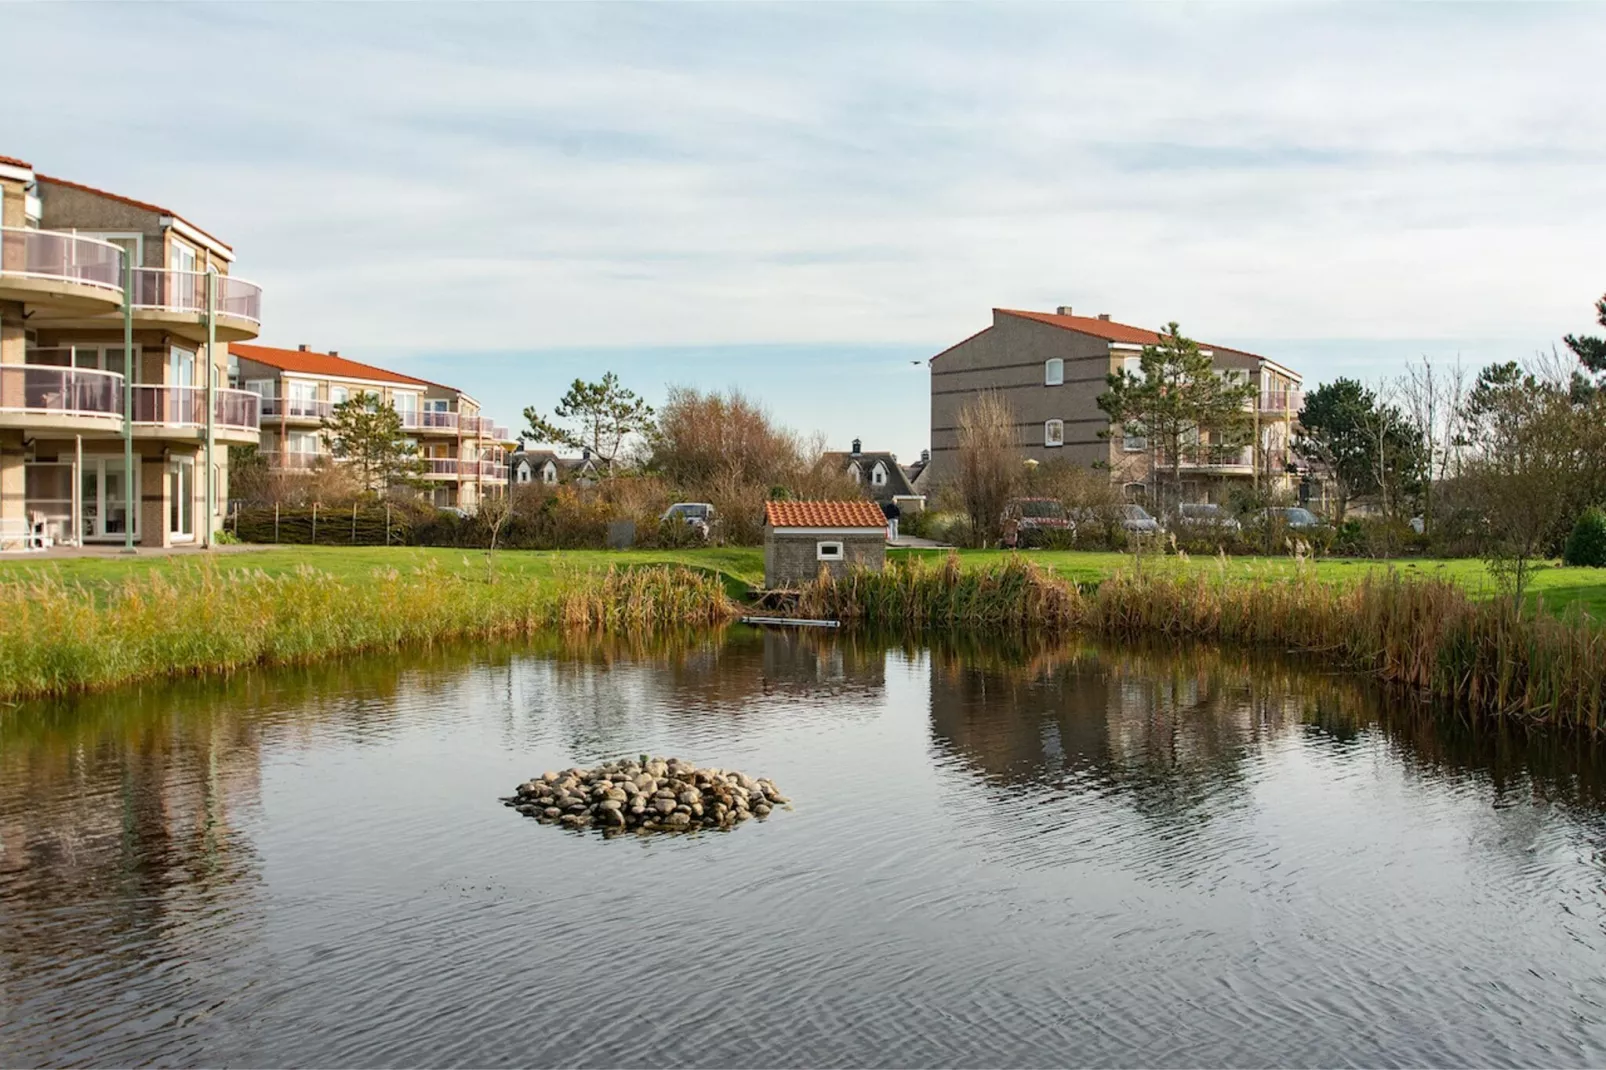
(58, 637)
(1554, 588)
(1426, 636)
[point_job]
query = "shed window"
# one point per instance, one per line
(828, 551)
(1053, 372)
(1054, 433)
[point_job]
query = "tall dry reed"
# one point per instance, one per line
(1424, 636)
(57, 637)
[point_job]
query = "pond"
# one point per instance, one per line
(1022, 857)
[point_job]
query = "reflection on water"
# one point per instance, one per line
(1023, 856)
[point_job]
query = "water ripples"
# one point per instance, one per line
(1075, 858)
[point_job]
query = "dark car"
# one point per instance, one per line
(1031, 521)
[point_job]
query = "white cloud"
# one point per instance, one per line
(507, 177)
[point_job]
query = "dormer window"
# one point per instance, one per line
(853, 471)
(878, 475)
(1054, 372)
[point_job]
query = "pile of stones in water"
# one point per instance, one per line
(648, 795)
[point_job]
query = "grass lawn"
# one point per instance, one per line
(743, 567)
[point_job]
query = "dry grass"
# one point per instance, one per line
(1426, 637)
(57, 637)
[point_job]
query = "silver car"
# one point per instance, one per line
(1206, 515)
(1137, 520)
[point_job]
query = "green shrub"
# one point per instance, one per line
(1587, 544)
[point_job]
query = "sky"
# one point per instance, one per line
(807, 201)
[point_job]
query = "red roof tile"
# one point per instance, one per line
(14, 162)
(859, 514)
(1105, 329)
(144, 205)
(309, 363)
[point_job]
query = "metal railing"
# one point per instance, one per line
(429, 420)
(299, 460)
(1211, 457)
(1280, 401)
(47, 389)
(297, 408)
(51, 254)
(185, 406)
(171, 290)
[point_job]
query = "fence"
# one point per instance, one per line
(314, 525)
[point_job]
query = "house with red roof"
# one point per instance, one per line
(464, 452)
(1051, 367)
(78, 266)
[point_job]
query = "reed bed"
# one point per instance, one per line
(57, 638)
(1426, 637)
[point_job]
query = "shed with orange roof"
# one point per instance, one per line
(801, 538)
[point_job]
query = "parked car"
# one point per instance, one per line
(1205, 515)
(1292, 517)
(699, 516)
(1137, 520)
(1029, 521)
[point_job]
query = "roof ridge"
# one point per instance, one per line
(243, 349)
(146, 205)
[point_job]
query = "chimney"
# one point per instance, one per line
(585, 453)
(856, 450)
(1063, 310)
(1105, 316)
(302, 347)
(336, 352)
(925, 456)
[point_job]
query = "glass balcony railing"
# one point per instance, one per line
(297, 408)
(54, 255)
(185, 406)
(169, 290)
(45, 390)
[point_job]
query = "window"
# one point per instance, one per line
(828, 551)
(304, 442)
(180, 257)
(853, 471)
(338, 395)
(549, 474)
(878, 475)
(1134, 443)
(1054, 433)
(1133, 366)
(1054, 372)
(524, 471)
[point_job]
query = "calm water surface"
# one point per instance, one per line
(996, 857)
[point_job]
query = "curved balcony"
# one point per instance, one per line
(177, 300)
(429, 420)
(43, 398)
(60, 272)
(180, 412)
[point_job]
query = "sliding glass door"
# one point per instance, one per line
(105, 498)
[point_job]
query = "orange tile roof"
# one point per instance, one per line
(309, 363)
(1105, 329)
(145, 205)
(14, 162)
(859, 514)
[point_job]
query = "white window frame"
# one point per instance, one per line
(343, 392)
(830, 550)
(1053, 433)
(549, 474)
(878, 475)
(1054, 372)
(117, 237)
(1134, 443)
(182, 256)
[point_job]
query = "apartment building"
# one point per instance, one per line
(466, 453)
(79, 267)
(1051, 369)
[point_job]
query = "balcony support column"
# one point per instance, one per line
(78, 490)
(132, 503)
(211, 403)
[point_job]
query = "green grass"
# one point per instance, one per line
(740, 568)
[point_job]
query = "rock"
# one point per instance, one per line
(646, 794)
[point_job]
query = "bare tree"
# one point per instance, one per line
(1432, 398)
(989, 463)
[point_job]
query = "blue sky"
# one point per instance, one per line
(801, 200)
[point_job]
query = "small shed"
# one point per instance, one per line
(800, 538)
